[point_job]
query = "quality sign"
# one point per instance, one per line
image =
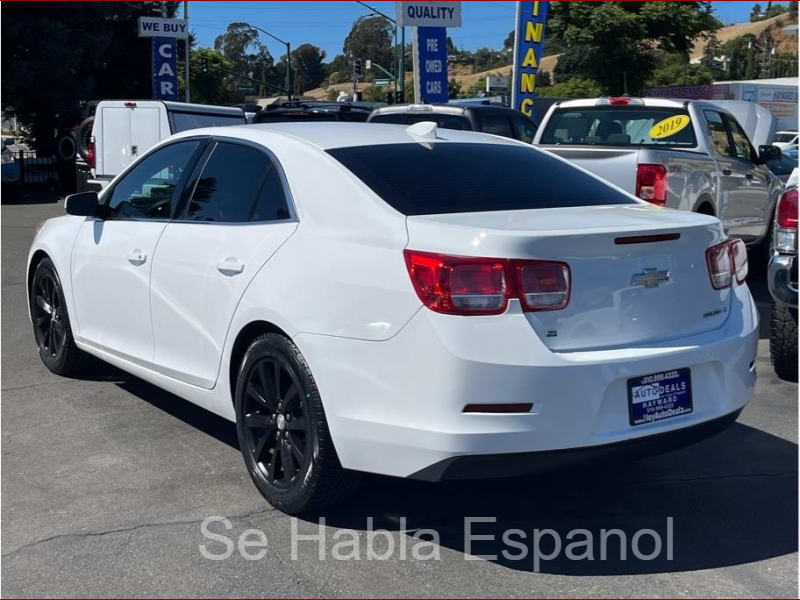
(165, 68)
(430, 64)
(424, 13)
(528, 41)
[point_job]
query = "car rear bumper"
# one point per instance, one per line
(396, 407)
(782, 279)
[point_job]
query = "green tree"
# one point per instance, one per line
(307, 67)
(247, 56)
(370, 38)
(793, 9)
(712, 55)
(756, 13)
(56, 56)
(741, 57)
(574, 88)
(573, 62)
(454, 88)
(621, 40)
(209, 73)
(674, 69)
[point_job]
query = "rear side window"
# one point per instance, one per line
(717, 133)
(526, 130)
(419, 179)
(237, 184)
(496, 125)
(444, 121)
(638, 126)
(182, 121)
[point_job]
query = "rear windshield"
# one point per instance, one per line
(443, 121)
(421, 179)
(181, 121)
(620, 126)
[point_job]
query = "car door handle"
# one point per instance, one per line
(230, 266)
(137, 257)
(726, 171)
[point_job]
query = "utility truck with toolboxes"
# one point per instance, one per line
(685, 154)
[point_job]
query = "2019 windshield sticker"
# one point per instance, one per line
(669, 126)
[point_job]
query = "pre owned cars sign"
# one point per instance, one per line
(429, 14)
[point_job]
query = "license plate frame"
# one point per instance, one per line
(659, 396)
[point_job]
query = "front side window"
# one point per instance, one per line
(147, 191)
(496, 125)
(741, 145)
(449, 177)
(618, 126)
(238, 184)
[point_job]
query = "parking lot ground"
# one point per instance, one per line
(106, 481)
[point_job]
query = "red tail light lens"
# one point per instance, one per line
(739, 259)
(542, 285)
(459, 285)
(718, 258)
(463, 285)
(90, 157)
(651, 183)
(787, 209)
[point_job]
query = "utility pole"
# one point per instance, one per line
(186, 75)
(288, 59)
(401, 63)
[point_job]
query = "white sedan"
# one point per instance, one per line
(405, 301)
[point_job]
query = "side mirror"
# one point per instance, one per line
(768, 153)
(85, 204)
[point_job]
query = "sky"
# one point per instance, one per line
(327, 23)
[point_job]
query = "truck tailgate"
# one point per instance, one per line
(615, 165)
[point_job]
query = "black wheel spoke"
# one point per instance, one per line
(261, 444)
(39, 320)
(254, 393)
(287, 461)
(298, 448)
(43, 304)
(297, 424)
(276, 381)
(290, 399)
(273, 466)
(257, 421)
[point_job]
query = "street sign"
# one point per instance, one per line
(430, 64)
(496, 84)
(528, 41)
(423, 13)
(161, 27)
(246, 89)
(165, 68)
(381, 82)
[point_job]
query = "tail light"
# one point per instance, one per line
(90, 156)
(464, 285)
(726, 260)
(739, 259)
(786, 220)
(651, 183)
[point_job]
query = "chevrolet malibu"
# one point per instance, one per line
(399, 300)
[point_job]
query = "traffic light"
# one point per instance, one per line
(357, 67)
(389, 97)
(399, 97)
(204, 65)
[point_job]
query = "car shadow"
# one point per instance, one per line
(764, 302)
(731, 499)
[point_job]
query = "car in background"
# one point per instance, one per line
(785, 139)
(304, 112)
(123, 130)
(783, 166)
(688, 155)
(782, 281)
(487, 118)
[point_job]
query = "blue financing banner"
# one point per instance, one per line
(528, 41)
(430, 67)
(165, 68)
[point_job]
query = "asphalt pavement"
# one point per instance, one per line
(107, 481)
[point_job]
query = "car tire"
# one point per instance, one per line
(783, 342)
(282, 430)
(51, 327)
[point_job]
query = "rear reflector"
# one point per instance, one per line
(498, 408)
(651, 183)
(90, 153)
(718, 258)
(465, 285)
(647, 239)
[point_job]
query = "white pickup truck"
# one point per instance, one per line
(124, 129)
(685, 154)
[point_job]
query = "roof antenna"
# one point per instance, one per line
(423, 129)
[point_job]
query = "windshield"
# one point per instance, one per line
(442, 120)
(620, 126)
(422, 179)
(785, 137)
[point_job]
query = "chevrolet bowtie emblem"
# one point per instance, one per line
(650, 278)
